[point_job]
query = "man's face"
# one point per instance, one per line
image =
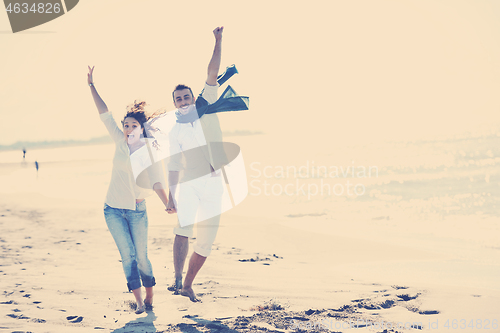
(183, 98)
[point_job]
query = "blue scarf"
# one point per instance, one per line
(229, 100)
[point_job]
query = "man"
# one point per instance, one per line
(201, 196)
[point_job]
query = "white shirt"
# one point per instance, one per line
(186, 136)
(123, 190)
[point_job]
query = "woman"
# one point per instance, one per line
(125, 207)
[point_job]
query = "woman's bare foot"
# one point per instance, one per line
(148, 301)
(188, 292)
(140, 309)
(138, 300)
(148, 304)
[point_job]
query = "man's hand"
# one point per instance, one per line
(171, 205)
(218, 33)
(214, 64)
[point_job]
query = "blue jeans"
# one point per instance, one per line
(130, 232)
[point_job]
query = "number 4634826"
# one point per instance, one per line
(485, 324)
(40, 8)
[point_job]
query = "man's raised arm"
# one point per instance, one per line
(213, 66)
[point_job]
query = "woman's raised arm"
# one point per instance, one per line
(101, 106)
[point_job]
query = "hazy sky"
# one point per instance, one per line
(340, 70)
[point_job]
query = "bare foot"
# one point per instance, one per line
(176, 287)
(188, 292)
(140, 309)
(148, 301)
(148, 304)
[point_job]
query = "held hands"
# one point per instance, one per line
(171, 205)
(90, 80)
(218, 33)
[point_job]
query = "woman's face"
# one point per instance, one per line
(131, 130)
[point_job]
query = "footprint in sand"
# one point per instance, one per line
(40, 321)
(254, 259)
(387, 304)
(8, 302)
(17, 317)
(399, 287)
(74, 319)
(431, 312)
(407, 297)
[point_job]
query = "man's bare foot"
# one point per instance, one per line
(188, 292)
(176, 287)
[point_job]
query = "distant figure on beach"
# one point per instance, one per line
(202, 195)
(125, 207)
(24, 152)
(36, 166)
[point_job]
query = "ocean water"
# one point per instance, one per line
(445, 177)
(441, 177)
(79, 172)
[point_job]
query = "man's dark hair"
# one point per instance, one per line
(181, 87)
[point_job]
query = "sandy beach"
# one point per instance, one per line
(370, 147)
(307, 271)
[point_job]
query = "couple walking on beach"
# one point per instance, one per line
(125, 206)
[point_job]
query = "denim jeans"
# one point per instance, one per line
(129, 229)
